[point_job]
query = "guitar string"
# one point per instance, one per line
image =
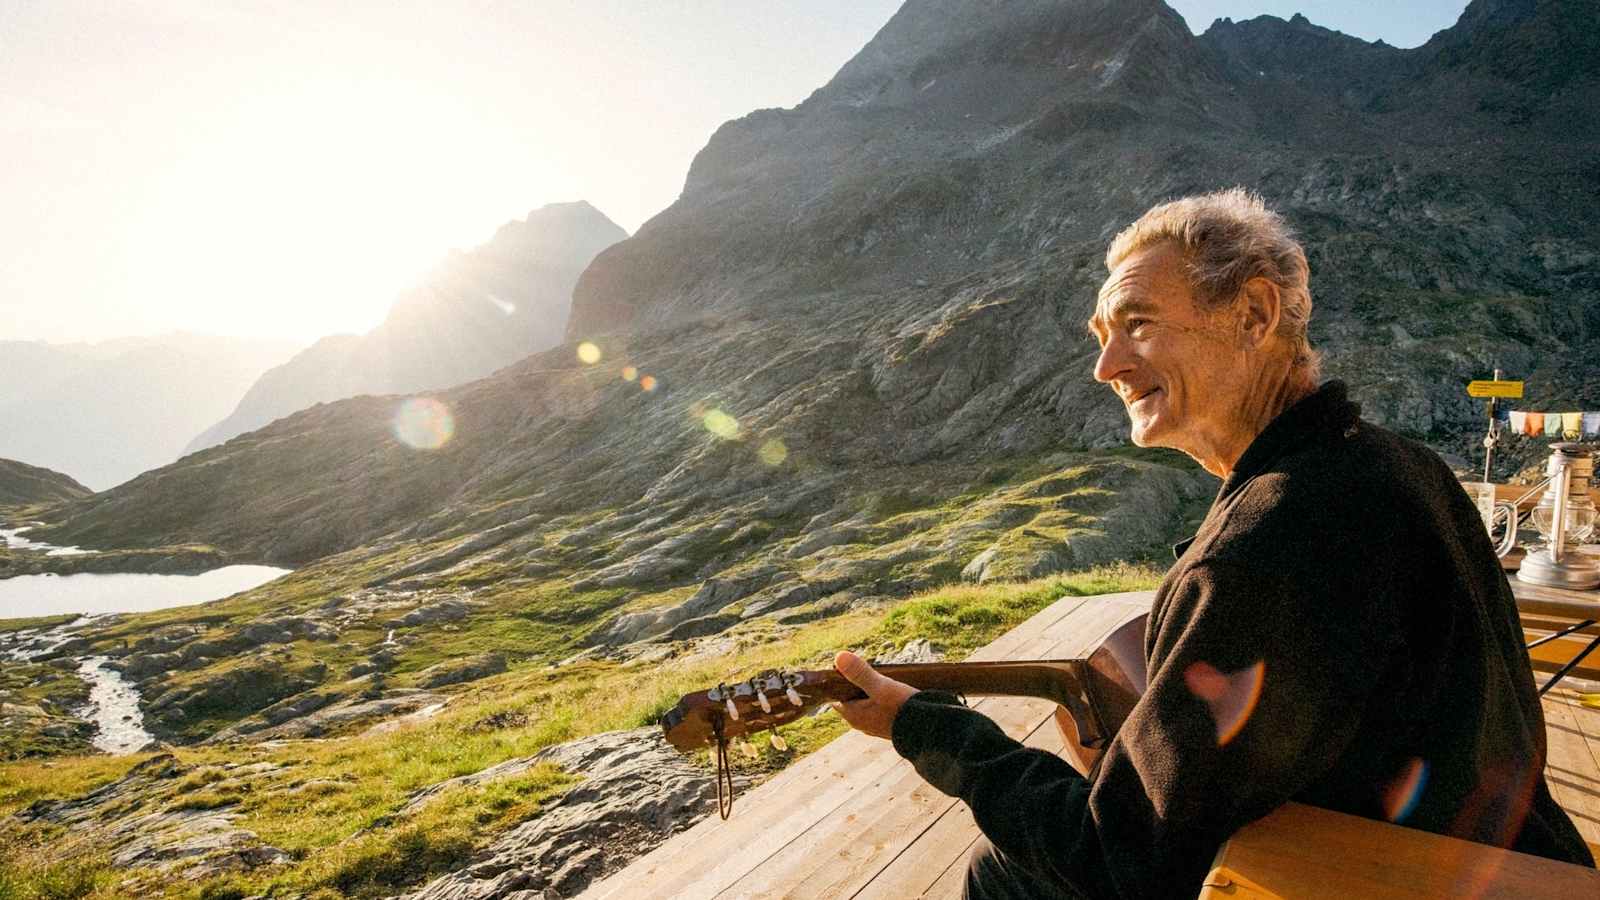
(724, 774)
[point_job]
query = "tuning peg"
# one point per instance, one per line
(778, 743)
(733, 711)
(794, 696)
(761, 698)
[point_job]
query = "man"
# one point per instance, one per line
(1338, 632)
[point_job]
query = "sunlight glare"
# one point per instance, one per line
(306, 212)
(588, 353)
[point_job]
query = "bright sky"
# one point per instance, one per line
(284, 169)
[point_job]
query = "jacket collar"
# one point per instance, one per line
(1326, 410)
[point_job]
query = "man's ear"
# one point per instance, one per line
(1259, 309)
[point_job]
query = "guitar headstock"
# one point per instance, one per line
(756, 704)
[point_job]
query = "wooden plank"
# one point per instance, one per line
(836, 857)
(852, 772)
(952, 882)
(1570, 767)
(914, 870)
(1307, 853)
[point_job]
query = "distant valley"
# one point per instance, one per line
(102, 413)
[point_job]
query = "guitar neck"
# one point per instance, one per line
(1061, 681)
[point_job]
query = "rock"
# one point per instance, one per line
(143, 666)
(636, 792)
(136, 820)
(244, 688)
(917, 651)
(450, 610)
(332, 717)
(455, 672)
(275, 631)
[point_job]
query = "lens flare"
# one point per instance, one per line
(773, 453)
(424, 423)
(588, 353)
(629, 373)
(504, 306)
(648, 383)
(721, 424)
(1401, 795)
(1231, 697)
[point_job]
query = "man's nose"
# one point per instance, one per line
(1114, 360)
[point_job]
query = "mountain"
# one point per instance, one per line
(21, 483)
(873, 303)
(846, 366)
(475, 312)
(105, 412)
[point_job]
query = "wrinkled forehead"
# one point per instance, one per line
(1144, 278)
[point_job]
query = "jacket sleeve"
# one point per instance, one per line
(1261, 686)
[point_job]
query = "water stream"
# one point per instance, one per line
(113, 705)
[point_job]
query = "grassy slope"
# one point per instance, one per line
(332, 803)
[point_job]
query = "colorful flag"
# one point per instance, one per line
(1552, 424)
(1591, 423)
(1572, 425)
(1535, 423)
(1519, 422)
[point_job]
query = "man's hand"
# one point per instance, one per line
(874, 713)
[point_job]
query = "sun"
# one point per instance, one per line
(311, 207)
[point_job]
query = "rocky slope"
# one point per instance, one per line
(475, 312)
(105, 412)
(22, 484)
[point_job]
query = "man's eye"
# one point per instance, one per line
(1136, 325)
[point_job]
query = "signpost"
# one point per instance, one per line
(1494, 391)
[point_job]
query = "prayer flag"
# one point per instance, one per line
(1572, 425)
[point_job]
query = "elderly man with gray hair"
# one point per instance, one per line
(1338, 632)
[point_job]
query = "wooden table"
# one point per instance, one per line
(1307, 853)
(1546, 610)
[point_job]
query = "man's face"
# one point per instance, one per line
(1173, 365)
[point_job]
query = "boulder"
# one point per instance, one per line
(457, 671)
(449, 610)
(636, 792)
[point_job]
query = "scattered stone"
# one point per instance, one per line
(457, 671)
(450, 610)
(636, 792)
(141, 820)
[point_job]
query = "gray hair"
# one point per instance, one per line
(1229, 237)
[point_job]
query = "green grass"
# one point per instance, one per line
(335, 805)
(7, 625)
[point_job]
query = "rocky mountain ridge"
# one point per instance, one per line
(22, 484)
(475, 312)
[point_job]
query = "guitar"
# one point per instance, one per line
(1093, 694)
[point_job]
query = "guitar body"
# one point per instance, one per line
(1117, 680)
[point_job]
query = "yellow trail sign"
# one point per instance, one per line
(1494, 389)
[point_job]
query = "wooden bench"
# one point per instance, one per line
(853, 820)
(1306, 853)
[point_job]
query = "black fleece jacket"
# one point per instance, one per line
(1338, 632)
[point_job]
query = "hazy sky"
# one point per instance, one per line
(283, 169)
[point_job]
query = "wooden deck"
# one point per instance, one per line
(853, 820)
